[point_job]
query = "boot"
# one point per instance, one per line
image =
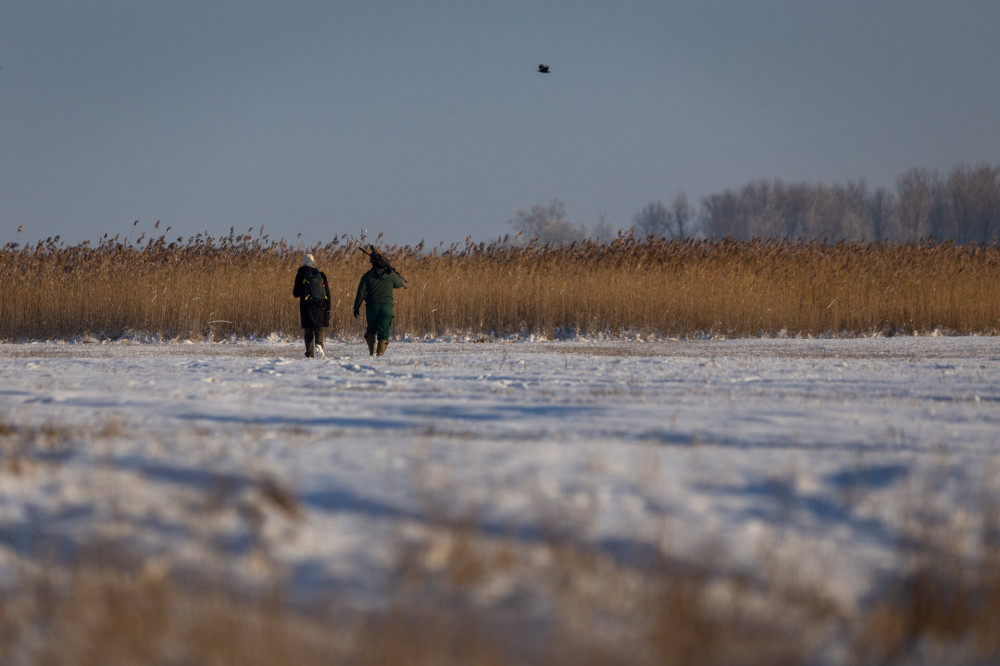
(382, 344)
(370, 339)
(311, 341)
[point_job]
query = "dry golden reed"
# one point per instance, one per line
(241, 285)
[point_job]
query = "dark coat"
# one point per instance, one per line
(376, 288)
(313, 314)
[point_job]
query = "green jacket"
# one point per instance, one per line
(376, 288)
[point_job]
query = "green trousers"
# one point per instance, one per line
(379, 318)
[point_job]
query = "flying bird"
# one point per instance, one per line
(543, 69)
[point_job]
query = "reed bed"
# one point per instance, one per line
(240, 285)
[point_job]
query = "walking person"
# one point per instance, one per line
(375, 291)
(313, 292)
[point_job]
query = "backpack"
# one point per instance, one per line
(314, 286)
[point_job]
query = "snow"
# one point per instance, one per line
(829, 449)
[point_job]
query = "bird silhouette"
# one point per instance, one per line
(543, 69)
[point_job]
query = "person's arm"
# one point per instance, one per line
(297, 289)
(397, 281)
(362, 291)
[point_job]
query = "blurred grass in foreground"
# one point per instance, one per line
(455, 593)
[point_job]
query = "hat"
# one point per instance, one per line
(307, 259)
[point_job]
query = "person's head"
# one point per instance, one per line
(308, 259)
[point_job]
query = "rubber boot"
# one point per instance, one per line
(318, 350)
(382, 344)
(370, 339)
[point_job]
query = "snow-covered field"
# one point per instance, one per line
(828, 451)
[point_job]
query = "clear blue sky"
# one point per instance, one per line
(427, 120)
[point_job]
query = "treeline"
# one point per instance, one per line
(241, 286)
(963, 206)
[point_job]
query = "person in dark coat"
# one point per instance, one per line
(375, 291)
(313, 292)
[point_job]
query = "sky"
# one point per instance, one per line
(427, 121)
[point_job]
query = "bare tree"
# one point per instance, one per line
(796, 207)
(760, 204)
(974, 198)
(657, 221)
(920, 204)
(722, 215)
(602, 230)
(548, 224)
(652, 221)
(883, 214)
(681, 214)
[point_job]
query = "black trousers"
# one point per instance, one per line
(314, 338)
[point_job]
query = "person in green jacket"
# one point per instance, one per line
(375, 290)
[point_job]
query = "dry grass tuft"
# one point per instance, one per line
(25, 447)
(942, 607)
(108, 616)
